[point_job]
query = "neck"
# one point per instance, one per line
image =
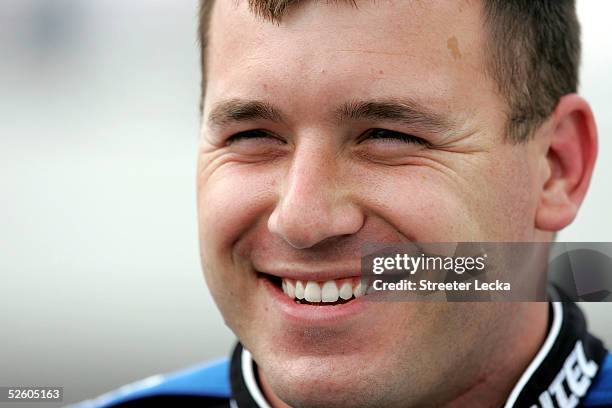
(512, 352)
(273, 400)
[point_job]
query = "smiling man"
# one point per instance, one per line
(330, 124)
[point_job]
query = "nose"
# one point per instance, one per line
(314, 203)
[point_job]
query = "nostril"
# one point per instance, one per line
(300, 223)
(304, 225)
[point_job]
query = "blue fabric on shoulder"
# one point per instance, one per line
(600, 393)
(211, 379)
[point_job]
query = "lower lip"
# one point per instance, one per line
(303, 314)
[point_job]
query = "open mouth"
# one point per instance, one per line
(329, 293)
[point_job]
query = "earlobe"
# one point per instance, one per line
(570, 159)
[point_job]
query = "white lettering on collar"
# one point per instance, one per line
(575, 376)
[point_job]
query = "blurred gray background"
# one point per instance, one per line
(101, 282)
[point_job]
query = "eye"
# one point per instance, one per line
(253, 135)
(390, 136)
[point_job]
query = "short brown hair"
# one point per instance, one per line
(533, 53)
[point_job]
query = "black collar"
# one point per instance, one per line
(559, 375)
(564, 368)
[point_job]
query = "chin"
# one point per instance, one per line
(325, 381)
(320, 383)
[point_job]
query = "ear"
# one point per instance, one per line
(570, 160)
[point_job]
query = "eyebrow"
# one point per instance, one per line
(405, 111)
(239, 110)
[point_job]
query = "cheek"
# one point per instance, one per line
(483, 201)
(505, 196)
(423, 205)
(231, 201)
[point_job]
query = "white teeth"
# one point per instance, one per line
(299, 290)
(290, 289)
(312, 292)
(346, 291)
(329, 292)
(358, 290)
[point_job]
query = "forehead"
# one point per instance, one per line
(328, 52)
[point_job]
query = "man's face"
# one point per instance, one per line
(368, 124)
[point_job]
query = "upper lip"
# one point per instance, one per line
(303, 273)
